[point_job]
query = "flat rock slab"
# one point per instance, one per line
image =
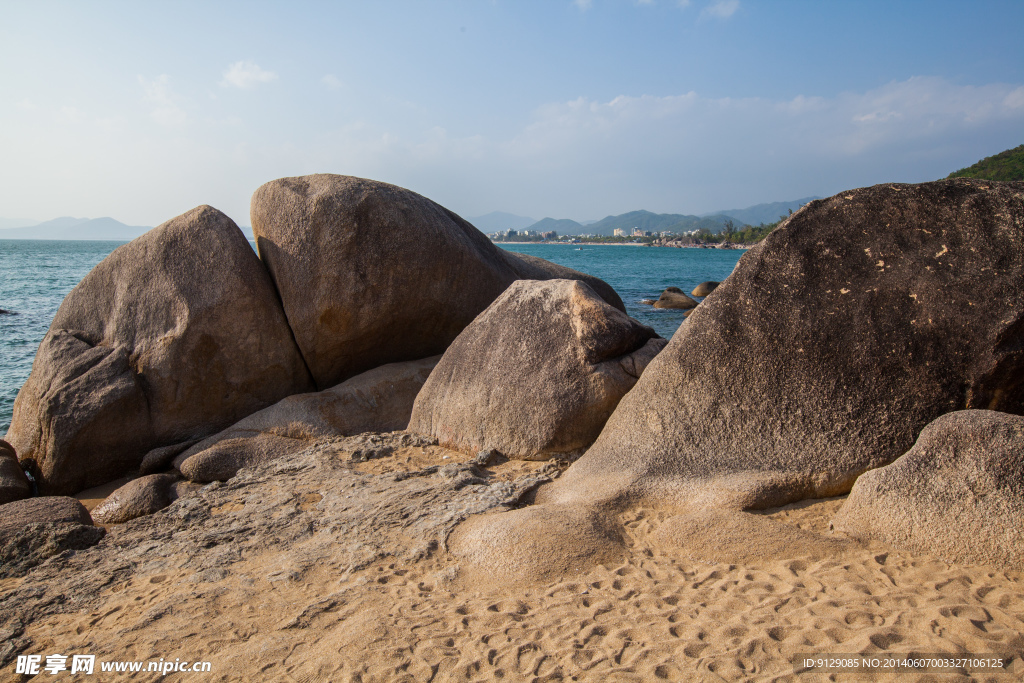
(44, 510)
(378, 400)
(304, 506)
(35, 529)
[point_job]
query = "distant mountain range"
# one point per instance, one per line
(70, 228)
(674, 222)
(764, 213)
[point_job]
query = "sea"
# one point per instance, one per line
(36, 275)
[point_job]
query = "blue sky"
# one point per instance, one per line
(570, 109)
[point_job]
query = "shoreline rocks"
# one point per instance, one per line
(958, 493)
(371, 273)
(833, 343)
(174, 335)
(705, 288)
(536, 375)
(673, 297)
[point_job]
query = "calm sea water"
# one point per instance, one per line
(642, 272)
(35, 276)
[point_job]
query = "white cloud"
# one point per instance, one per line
(331, 81)
(245, 75)
(582, 158)
(584, 5)
(157, 92)
(722, 9)
(1015, 100)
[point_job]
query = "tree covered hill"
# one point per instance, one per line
(1008, 165)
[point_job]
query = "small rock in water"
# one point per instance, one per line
(673, 297)
(648, 302)
(704, 288)
(3, 312)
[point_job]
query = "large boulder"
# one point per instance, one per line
(957, 494)
(14, 485)
(536, 374)
(371, 273)
(379, 400)
(858, 321)
(175, 335)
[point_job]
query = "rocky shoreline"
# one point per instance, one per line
(323, 421)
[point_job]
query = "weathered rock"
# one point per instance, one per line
(14, 485)
(673, 297)
(142, 496)
(42, 510)
(536, 374)
(860, 320)
(704, 288)
(371, 273)
(174, 335)
(35, 529)
(308, 512)
(736, 537)
(24, 547)
(957, 494)
(376, 401)
(536, 544)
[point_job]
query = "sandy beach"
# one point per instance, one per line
(739, 609)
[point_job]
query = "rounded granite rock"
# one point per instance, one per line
(704, 288)
(859, 320)
(957, 494)
(142, 496)
(536, 374)
(674, 298)
(371, 273)
(173, 336)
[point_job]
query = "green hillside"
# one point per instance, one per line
(1008, 165)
